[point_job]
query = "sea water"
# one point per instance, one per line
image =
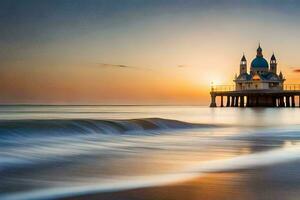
(58, 151)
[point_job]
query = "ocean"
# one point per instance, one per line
(57, 152)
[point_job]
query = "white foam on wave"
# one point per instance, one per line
(282, 155)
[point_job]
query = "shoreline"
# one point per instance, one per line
(268, 183)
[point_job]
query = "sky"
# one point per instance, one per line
(137, 51)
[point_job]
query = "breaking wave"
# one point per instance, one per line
(86, 126)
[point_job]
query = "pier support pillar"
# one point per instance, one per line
(228, 101)
(281, 102)
(247, 101)
(256, 101)
(274, 104)
(236, 103)
(293, 101)
(232, 101)
(242, 104)
(213, 101)
(287, 101)
(222, 101)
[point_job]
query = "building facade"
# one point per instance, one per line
(261, 76)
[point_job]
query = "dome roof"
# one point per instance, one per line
(259, 62)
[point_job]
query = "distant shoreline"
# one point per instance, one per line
(102, 105)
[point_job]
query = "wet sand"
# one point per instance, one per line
(277, 182)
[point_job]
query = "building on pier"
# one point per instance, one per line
(260, 76)
(262, 86)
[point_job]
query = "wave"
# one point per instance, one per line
(86, 126)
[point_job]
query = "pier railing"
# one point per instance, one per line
(291, 87)
(222, 88)
(227, 88)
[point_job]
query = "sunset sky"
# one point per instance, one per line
(137, 51)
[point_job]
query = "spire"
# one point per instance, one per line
(273, 64)
(273, 57)
(243, 65)
(280, 75)
(243, 58)
(259, 47)
(259, 51)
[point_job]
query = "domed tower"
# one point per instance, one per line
(243, 65)
(259, 65)
(259, 51)
(273, 64)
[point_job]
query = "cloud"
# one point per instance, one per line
(121, 66)
(297, 70)
(115, 65)
(185, 66)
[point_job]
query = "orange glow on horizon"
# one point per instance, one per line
(86, 84)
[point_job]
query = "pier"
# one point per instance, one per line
(260, 86)
(230, 97)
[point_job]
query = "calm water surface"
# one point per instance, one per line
(58, 151)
